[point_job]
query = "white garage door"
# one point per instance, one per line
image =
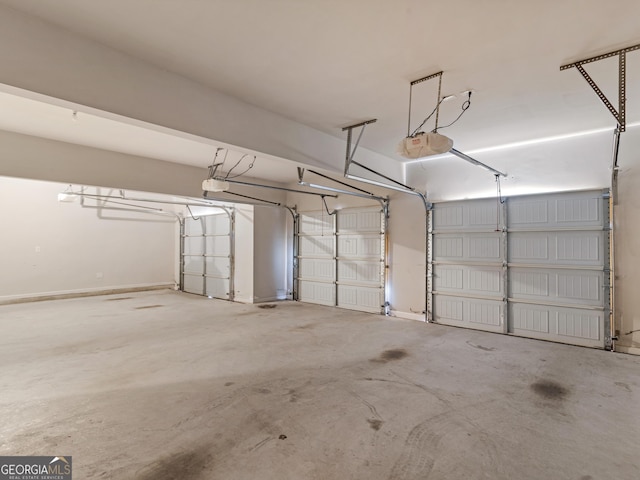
(341, 259)
(468, 265)
(207, 255)
(546, 275)
(316, 258)
(559, 267)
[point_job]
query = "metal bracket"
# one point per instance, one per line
(352, 152)
(619, 114)
(438, 100)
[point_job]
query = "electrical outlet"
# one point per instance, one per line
(38, 249)
(99, 275)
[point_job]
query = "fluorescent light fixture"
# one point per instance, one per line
(535, 141)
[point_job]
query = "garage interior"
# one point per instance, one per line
(225, 257)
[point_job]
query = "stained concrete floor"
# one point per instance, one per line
(162, 385)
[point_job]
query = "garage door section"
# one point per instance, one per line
(468, 266)
(341, 259)
(361, 259)
(559, 267)
(207, 255)
(316, 258)
(546, 275)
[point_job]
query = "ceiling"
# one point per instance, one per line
(328, 64)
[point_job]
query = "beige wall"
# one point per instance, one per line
(262, 252)
(243, 263)
(407, 256)
(270, 251)
(49, 248)
(627, 247)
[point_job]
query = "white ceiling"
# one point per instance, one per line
(328, 64)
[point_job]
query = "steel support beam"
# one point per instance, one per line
(620, 113)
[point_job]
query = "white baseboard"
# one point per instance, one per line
(85, 292)
(408, 315)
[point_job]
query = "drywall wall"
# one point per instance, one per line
(26, 156)
(40, 57)
(244, 254)
(270, 253)
(407, 256)
(263, 254)
(50, 248)
(627, 247)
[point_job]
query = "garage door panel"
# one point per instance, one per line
(468, 283)
(365, 299)
(316, 223)
(317, 269)
(207, 255)
(559, 324)
(479, 314)
(456, 216)
(193, 284)
(359, 271)
(317, 292)
(469, 279)
(556, 254)
(342, 267)
(555, 211)
(193, 245)
(217, 266)
(194, 227)
(317, 246)
(359, 246)
(217, 287)
(582, 287)
(475, 247)
(218, 245)
(217, 224)
(194, 265)
(359, 221)
(557, 248)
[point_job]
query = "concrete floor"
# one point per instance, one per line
(162, 385)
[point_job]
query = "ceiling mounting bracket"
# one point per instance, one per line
(438, 99)
(620, 114)
(351, 152)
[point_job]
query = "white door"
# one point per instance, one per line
(316, 258)
(545, 275)
(468, 265)
(341, 259)
(361, 259)
(207, 255)
(559, 267)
